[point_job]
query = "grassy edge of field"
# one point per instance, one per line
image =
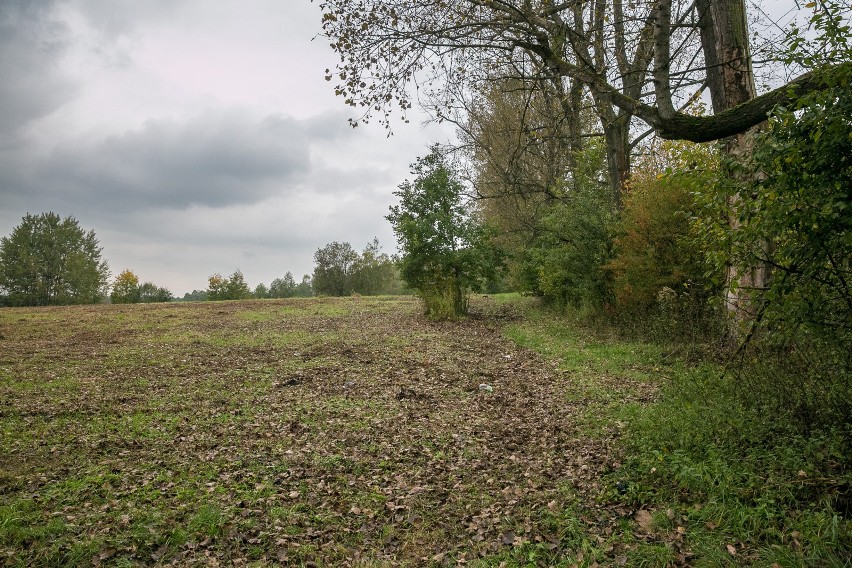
(709, 480)
(701, 479)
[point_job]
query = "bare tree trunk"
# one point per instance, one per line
(617, 137)
(724, 37)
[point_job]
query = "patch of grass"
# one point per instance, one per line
(583, 350)
(208, 520)
(729, 482)
(325, 307)
(569, 544)
(21, 522)
(603, 372)
(749, 484)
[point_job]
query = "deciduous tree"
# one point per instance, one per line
(233, 287)
(446, 250)
(217, 287)
(125, 289)
(334, 265)
(304, 289)
(283, 287)
(261, 291)
(195, 296)
(48, 260)
(374, 271)
(644, 61)
(151, 293)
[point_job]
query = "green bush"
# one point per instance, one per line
(575, 246)
(659, 266)
(446, 248)
(564, 262)
(663, 287)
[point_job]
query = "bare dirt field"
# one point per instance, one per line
(324, 432)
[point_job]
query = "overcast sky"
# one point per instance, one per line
(194, 137)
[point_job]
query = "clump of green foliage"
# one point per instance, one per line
(48, 260)
(574, 248)
(287, 287)
(339, 270)
(660, 277)
(798, 220)
(446, 248)
(127, 290)
(234, 287)
(564, 259)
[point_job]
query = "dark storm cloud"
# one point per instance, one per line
(215, 159)
(33, 84)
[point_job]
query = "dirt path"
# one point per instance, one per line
(339, 432)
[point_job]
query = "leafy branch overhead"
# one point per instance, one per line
(384, 46)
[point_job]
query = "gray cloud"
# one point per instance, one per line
(33, 83)
(214, 159)
(116, 17)
(193, 137)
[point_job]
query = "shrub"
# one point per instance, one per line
(574, 248)
(659, 271)
(446, 249)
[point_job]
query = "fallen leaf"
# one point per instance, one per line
(644, 520)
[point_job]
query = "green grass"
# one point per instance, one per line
(740, 477)
(729, 473)
(177, 433)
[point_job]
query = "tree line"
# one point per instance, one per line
(235, 287)
(339, 270)
(50, 260)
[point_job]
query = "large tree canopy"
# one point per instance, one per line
(48, 260)
(641, 60)
(384, 45)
